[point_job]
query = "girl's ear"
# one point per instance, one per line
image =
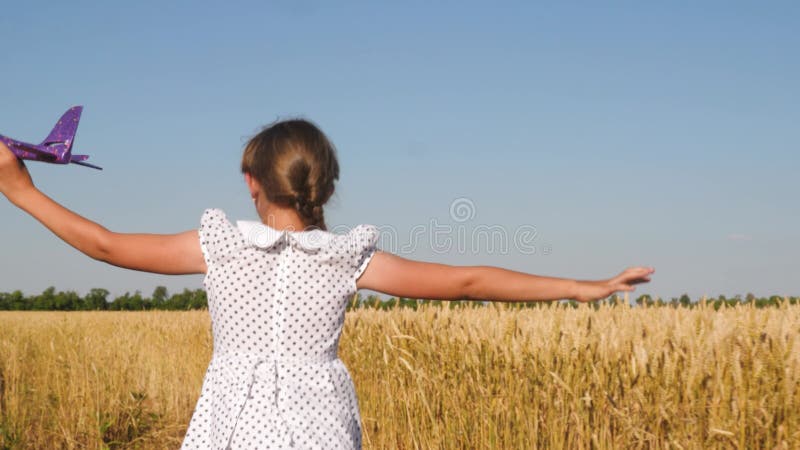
(252, 185)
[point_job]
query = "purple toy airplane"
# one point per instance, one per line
(57, 147)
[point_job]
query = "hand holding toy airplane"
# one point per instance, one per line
(57, 147)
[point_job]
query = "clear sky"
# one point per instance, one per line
(624, 133)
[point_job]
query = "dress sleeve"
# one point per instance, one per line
(215, 235)
(366, 244)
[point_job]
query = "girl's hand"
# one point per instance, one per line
(14, 176)
(589, 291)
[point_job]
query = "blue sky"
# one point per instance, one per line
(625, 133)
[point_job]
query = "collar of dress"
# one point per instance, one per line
(257, 234)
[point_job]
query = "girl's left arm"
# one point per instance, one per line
(401, 277)
(175, 254)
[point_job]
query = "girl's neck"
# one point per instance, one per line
(281, 217)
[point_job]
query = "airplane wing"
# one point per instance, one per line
(81, 161)
(85, 164)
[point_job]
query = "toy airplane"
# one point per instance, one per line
(57, 147)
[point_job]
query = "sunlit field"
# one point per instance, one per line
(486, 377)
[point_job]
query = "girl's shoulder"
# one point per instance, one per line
(218, 237)
(214, 223)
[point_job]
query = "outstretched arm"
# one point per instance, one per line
(174, 254)
(402, 277)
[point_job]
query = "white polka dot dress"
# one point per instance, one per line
(277, 301)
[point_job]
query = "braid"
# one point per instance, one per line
(311, 212)
(317, 217)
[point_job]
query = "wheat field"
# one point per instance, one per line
(432, 378)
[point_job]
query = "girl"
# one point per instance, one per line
(277, 291)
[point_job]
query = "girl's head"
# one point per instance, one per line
(295, 165)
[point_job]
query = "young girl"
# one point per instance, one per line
(277, 291)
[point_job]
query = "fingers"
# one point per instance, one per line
(635, 273)
(640, 270)
(7, 156)
(5, 151)
(626, 280)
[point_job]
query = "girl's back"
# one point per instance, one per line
(277, 301)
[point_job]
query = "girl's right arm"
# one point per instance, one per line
(402, 277)
(174, 254)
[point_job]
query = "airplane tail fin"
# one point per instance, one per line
(64, 131)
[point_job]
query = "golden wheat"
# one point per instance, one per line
(471, 378)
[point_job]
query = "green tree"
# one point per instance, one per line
(160, 297)
(96, 300)
(46, 300)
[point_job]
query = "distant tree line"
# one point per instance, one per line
(98, 300)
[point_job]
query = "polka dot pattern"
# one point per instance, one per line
(277, 301)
